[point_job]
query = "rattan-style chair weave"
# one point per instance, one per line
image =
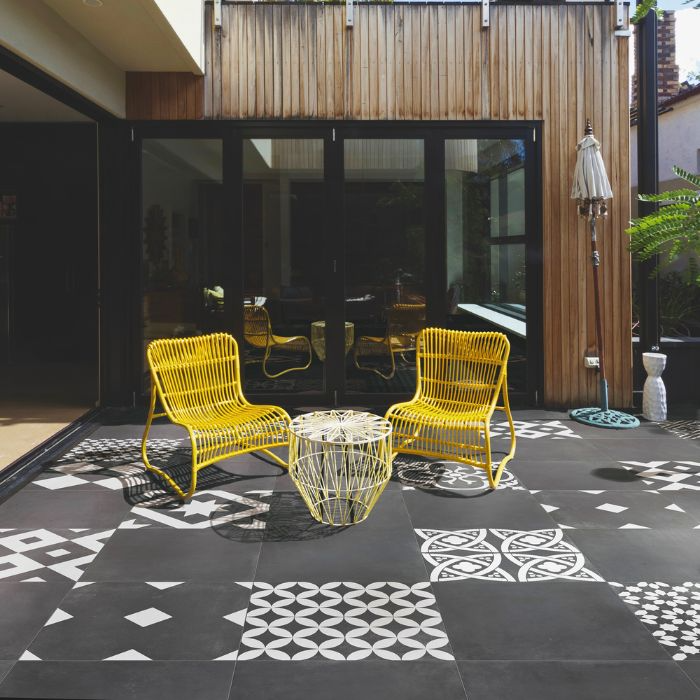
(197, 381)
(460, 376)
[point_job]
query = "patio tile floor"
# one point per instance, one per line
(579, 577)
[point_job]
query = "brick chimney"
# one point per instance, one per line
(666, 57)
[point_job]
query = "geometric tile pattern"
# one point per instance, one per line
(43, 555)
(343, 621)
(209, 508)
(524, 556)
(620, 510)
(666, 475)
(672, 613)
(688, 429)
(449, 476)
(144, 621)
(533, 430)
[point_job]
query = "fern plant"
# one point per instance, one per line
(674, 230)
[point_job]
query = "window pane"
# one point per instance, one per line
(182, 236)
(385, 265)
(486, 250)
(283, 243)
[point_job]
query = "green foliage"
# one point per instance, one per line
(643, 8)
(674, 230)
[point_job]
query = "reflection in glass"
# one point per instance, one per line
(182, 230)
(385, 266)
(283, 200)
(486, 249)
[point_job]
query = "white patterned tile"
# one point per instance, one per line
(671, 612)
(449, 476)
(343, 621)
(666, 475)
(34, 551)
(502, 555)
(534, 430)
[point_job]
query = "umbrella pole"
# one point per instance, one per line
(595, 258)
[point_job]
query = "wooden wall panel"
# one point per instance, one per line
(557, 64)
(164, 96)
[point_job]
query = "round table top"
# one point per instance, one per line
(340, 427)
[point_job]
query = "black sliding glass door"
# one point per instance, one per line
(326, 249)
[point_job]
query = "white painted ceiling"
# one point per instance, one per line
(20, 102)
(133, 34)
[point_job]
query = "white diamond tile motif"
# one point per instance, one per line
(128, 655)
(148, 617)
(671, 612)
(611, 508)
(525, 556)
(339, 621)
(667, 475)
(60, 482)
(58, 616)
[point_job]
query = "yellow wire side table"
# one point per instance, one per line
(341, 462)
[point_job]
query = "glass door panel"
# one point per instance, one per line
(182, 238)
(283, 251)
(486, 242)
(384, 192)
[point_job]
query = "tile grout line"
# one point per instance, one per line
(430, 583)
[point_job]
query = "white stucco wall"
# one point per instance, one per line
(679, 141)
(186, 17)
(37, 34)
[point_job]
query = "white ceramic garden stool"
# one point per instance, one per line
(654, 400)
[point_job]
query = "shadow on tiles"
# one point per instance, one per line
(287, 520)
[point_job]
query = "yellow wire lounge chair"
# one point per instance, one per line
(198, 383)
(404, 323)
(460, 376)
(257, 332)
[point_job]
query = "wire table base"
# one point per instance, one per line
(340, 461)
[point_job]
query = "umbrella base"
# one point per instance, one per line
(599, 418)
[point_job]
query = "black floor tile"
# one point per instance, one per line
(617, 510)
(577, 680)
(630, 448)
(548, 448)
(165, 554)
(24, 608)
(629, 556)
(369, 680)
(692, 670)
(382, 548)
(5, 667)
(541, 621)
(597, 474)
(106, 680)
(503, 509)
(32, 509)
(163, 621)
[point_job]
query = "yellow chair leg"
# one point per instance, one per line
(277, 459)
(166, 477)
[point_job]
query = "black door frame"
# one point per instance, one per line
(433, 133)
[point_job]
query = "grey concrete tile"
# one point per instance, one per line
(370, 680)
(629, 556)
(24, 608)
(541, 621)
(124, 680)
(576, 680)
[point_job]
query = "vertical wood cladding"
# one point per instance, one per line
(557, 64)
(164, 96)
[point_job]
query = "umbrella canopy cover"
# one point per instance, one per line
(590, 179)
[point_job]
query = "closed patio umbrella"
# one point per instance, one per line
(591, 188)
